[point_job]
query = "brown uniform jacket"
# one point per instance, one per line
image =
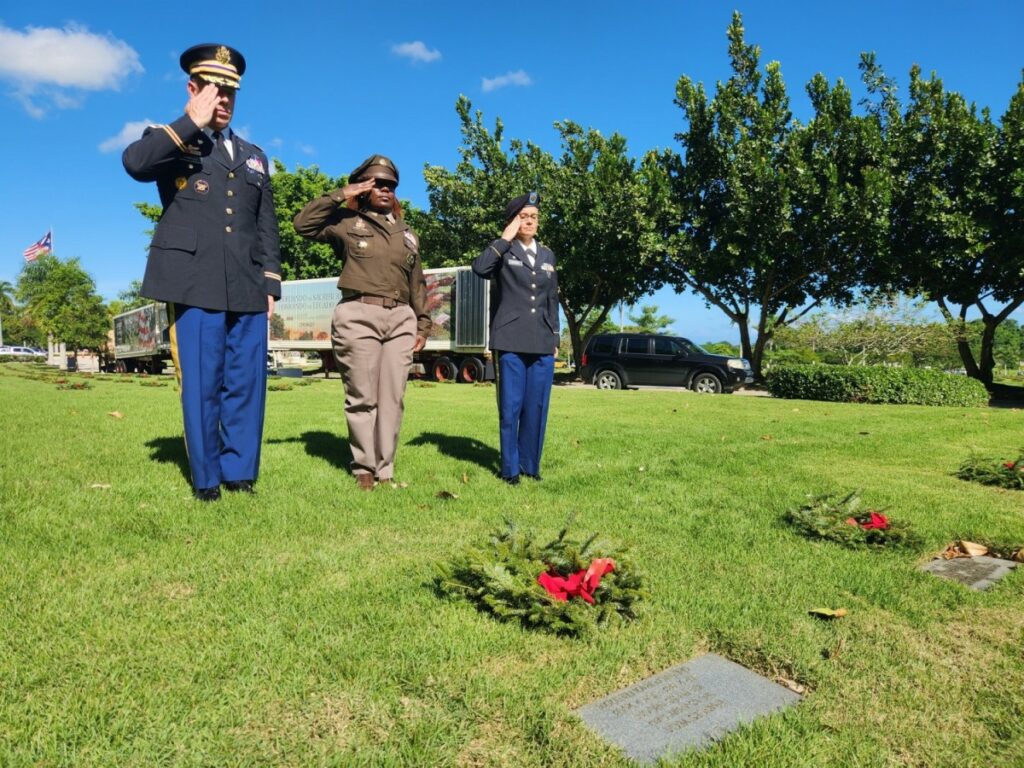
(381, 258)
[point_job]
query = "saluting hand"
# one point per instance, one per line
(358, 188)
(201, 105)
(511, 229)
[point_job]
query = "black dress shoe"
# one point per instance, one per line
(532, 477)
(207, 494)
(245, 486)
(511, 480)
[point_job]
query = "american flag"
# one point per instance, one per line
(42, 246)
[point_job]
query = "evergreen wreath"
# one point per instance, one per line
(844, 521)
(990, 471)
(503, 576)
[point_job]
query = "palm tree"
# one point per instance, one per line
(6, 295)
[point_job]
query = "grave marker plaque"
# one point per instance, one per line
(686, 706)
(975, 572)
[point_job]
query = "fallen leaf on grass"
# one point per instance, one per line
(100, 485)
(447, 495)
(641, 469)
(465, 478)
(116, 414)
(767, 437)
(1018, 556)
(964, 549)
(863, 433)
(793, 685)
(827, 613)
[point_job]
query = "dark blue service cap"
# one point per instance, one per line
(517, 204)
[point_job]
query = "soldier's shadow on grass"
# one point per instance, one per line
(171, 450)
(462, 448)
(323, 445)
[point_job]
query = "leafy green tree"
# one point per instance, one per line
(957, 208)
(771, 219)
(302, 258)
(595, 213)
(61, 298)
(649, 321)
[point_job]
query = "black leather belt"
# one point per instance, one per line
(379, 301)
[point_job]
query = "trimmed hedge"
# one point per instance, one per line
(875, 384)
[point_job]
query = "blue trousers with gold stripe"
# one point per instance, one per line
(221, 364)
(524, 390)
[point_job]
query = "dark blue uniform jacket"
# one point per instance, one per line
(524, 299)
(216, 245)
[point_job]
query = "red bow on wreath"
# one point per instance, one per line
(579, 584)
(879, 521)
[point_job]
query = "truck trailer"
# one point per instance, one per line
(142, 341)
(458, 302)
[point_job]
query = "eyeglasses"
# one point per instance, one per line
(529, 216)
(385, 184)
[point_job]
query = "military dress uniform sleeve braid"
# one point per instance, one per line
(160, 145)
(269, 237)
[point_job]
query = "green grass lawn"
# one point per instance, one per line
(299, 627)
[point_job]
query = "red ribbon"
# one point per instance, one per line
(579, 584)
(878, 520)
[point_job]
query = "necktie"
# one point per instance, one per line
(218, 139)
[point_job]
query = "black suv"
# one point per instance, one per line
(617, 360)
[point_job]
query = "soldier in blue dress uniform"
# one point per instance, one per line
(215, 260)
(524, 334)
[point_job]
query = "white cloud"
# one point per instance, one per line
(416, 51)
(519, 77)
(306, 149)
(45, 62)
(277, 142)
(129, 133)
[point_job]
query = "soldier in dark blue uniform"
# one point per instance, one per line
(215, 260)
(524, 334)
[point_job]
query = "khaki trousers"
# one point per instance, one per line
(373, 349)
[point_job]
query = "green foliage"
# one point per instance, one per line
(649, 321)
(771, 218)
(722, 348)
(61, 298)
(302, 258)
(992, 471)
(954, 214)
(875, 384)
(500, 577)
(829, 517)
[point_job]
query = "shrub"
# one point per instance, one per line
(875, 384)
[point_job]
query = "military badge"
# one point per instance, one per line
(410, 259)
(181, 182)
(360, 224)
(223, 55)
(362, 243)
(202, 186)
(254, 163)
(547, 267)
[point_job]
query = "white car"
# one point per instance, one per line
(22, 352)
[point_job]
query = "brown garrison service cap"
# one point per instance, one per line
(375, 167)
(214, 63)
(517, 204)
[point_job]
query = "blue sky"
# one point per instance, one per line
(330, 83)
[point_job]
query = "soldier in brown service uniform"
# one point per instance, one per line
(382, 317)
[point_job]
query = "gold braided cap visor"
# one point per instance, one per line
(219, 74)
